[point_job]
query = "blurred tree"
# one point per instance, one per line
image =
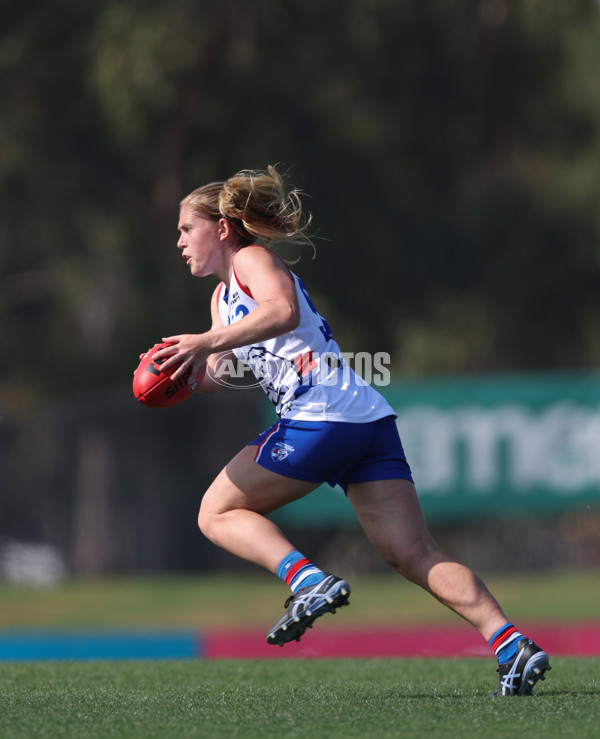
(451, 151)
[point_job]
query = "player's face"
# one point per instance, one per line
(199, 243)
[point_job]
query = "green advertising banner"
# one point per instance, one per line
(488, 445)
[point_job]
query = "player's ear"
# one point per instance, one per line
(224, 228)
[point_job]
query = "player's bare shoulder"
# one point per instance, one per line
(256, 265)
(261, 257)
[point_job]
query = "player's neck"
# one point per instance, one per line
(226, 267)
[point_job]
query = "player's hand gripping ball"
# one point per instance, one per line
(155, 388)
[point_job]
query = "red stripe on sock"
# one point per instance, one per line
(509, 631)
(295, 568)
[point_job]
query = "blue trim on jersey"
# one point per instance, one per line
(334, 452)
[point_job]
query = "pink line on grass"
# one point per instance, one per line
(578, 639)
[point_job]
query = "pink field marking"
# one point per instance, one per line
(576, 640)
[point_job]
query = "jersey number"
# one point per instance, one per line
(324, 327)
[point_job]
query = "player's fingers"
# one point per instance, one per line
(167, 351)
(180, 369)
(167, 362)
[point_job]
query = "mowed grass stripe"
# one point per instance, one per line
(197, 602)
(292, 698)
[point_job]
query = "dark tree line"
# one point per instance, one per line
(450, 151)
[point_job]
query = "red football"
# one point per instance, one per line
(155, 388)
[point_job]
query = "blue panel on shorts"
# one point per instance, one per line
(333, 452)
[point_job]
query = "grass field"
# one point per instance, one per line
(312, 698)
(203, 601)
(283, 697)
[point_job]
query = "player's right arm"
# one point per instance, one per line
(216, 364)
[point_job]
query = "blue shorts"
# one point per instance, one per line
(332, 452)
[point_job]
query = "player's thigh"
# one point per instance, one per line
(245, 484)
(391, 516)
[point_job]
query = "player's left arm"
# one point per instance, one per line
(271, 285)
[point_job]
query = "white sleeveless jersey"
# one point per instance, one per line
(303, 372)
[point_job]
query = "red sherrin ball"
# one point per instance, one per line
(156, 389)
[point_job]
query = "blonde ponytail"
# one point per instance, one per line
(257, 205)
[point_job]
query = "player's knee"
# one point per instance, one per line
(412, 560)
(403, 563)
(206, 523)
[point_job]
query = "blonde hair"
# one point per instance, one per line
(256, 204)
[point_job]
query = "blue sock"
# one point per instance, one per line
(298, 572)
(504, 643)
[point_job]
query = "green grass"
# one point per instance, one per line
(201, 601)
(291, 698)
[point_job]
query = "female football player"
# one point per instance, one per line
(333, 427)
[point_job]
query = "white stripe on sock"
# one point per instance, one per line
(302, 575)
(514, 636)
